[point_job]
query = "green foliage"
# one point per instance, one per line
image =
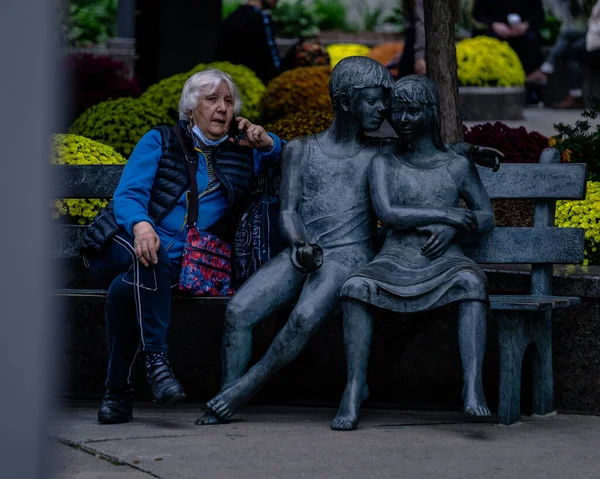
(395, 18)
(550, 29)
(331, 15)
(91, 21)
(372, 17)
(167, 92)
(582, 140)
(228, 7)
(293, 19)
(77, 150)
(120, 123)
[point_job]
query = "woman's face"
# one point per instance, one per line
(214, 112)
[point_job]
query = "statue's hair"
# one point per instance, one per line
(421, 89)
(356, 73)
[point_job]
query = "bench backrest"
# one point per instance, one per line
(541, 245)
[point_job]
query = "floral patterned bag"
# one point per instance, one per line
(206, 264)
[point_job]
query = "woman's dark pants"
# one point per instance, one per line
(138, 304)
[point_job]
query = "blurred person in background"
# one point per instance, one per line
(412, 59)
(570, 47)
(247, 38)
(516, 22)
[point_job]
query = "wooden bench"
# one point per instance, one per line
(523, 320)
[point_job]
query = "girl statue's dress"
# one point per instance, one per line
(400, 278)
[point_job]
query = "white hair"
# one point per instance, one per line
(205, 83)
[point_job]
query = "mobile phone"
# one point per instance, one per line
(235, 132)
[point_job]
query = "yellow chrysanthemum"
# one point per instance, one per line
(485, 61)
(339, 51)
(77, 150)
(583, 214)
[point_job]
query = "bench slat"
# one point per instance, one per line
(101, 293)
(512, 181)
(535, 181)
(86, 181)
(528, 245)
(531, 303)
(502, 245)
(67, 240)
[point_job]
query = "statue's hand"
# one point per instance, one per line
(307, 258)
(487, 157)
(462, 219)
(439, 241)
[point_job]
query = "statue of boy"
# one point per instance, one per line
(415, 194)
(326, 217)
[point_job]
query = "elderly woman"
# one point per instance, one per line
(134, 247)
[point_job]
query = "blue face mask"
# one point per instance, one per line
(198, 133)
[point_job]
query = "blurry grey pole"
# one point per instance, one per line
(27, 346)
(126, 19)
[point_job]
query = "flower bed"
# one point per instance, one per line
(77, 150)
(491, 80)
(584, 214)
(300, 89)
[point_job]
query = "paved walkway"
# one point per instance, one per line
(537, 119)
(274, 442)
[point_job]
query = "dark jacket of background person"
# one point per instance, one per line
(244, 40)
(527, 46)
(490, 11)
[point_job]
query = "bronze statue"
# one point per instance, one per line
(327, 218)
(415, 194)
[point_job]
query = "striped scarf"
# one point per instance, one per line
(207, 152)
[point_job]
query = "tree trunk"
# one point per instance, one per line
(441, 64)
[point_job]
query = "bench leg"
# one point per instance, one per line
(514, 335)
(543, 381)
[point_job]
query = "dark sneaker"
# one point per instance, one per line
(570, 103)
(116, 407)
(165, 388)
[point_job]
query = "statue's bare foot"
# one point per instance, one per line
(474, 401)
(226, 403)
(348, 414)
(209, 418)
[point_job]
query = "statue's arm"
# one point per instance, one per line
(407, 217)
(474, 194)
(290, 194)
(480, 155)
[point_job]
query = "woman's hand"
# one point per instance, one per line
(255, 135)
(461, 218)
(437, 244)
(146, 243)
(502, 30)
(420, 67)
(519, 29)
